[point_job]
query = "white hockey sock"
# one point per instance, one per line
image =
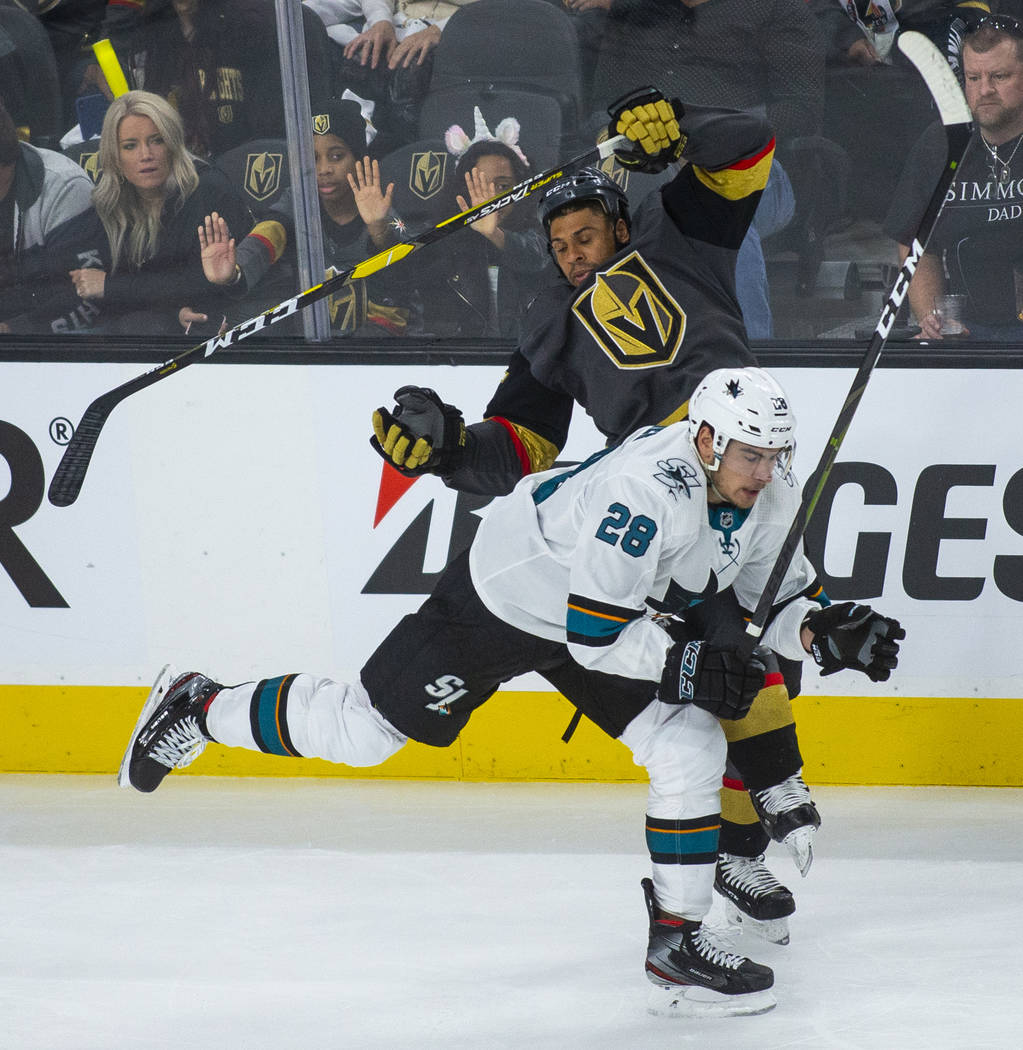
(303, 716)
(683, 749)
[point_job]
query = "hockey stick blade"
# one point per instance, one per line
(956, 117)
(67, 480)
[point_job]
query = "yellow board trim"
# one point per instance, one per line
(517, 736)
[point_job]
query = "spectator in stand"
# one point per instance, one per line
(356, 219)
(867, 39)
(977, 242)
(216, 61)
(347, 19)
(483, 284)
(131, 260)
(764, 56)
(39, 191)
(390, 61)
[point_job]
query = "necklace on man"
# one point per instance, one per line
(1000, 170)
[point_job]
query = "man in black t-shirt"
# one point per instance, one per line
(979, 236)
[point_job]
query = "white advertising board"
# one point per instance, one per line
(227, 521)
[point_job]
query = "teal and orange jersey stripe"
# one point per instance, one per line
(692, 841)
(268, 716)
(589, 622)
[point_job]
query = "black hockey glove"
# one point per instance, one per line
(855, 637)
(422, 435)
(714, 677)
(651, 122)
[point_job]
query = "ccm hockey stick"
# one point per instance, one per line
(69, 476)
(955, 115)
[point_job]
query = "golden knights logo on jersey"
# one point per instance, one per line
(263, 174)
(426, 174)
(632, 316)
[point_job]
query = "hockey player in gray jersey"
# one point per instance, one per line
(642, 308)
(562, 578)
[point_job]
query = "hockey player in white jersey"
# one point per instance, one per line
(562, 579)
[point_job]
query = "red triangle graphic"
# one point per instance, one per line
(393, 486)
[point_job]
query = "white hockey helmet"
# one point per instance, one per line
(747, 405)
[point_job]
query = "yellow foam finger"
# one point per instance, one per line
(107, 59)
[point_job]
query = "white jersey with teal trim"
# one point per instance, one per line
(574, 555)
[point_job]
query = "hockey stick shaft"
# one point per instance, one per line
(955, 115)
(69, 476)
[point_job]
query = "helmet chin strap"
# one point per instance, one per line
(709, 472)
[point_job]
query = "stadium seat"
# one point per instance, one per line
(528, 44)
(422, 173)
(86, 154)
(258, 168)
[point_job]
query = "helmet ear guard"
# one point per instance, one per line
(746, 405)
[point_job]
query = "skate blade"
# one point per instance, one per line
(799, 843)
(774, 931)
(156, 695)
(693, 1001)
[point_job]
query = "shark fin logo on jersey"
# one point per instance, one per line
(426, 173)
(634, 319)
(679, 475)
(263, 174)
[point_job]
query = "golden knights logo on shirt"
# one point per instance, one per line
(632, 316)
(263, 174)
(426, 173)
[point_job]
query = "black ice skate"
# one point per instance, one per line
(695, 977)
(789, 817)
(754, 898)
(171, 730)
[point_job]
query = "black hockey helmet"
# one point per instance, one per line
(587, 184)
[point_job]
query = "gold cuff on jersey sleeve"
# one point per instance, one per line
(541, 452)
(739, 180)
(273, 235)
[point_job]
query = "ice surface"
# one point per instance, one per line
(356, 915)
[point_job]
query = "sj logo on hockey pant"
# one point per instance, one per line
(446, 689)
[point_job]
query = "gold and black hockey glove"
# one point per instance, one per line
(715, 677)
(855, 637)
(421, 435)
(650, 121)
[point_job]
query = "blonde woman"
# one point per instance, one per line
(138, 260)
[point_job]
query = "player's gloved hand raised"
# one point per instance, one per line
(421, 435)
(715, 677)
(855, 637)
(651, 122)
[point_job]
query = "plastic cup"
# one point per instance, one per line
(949, 311)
